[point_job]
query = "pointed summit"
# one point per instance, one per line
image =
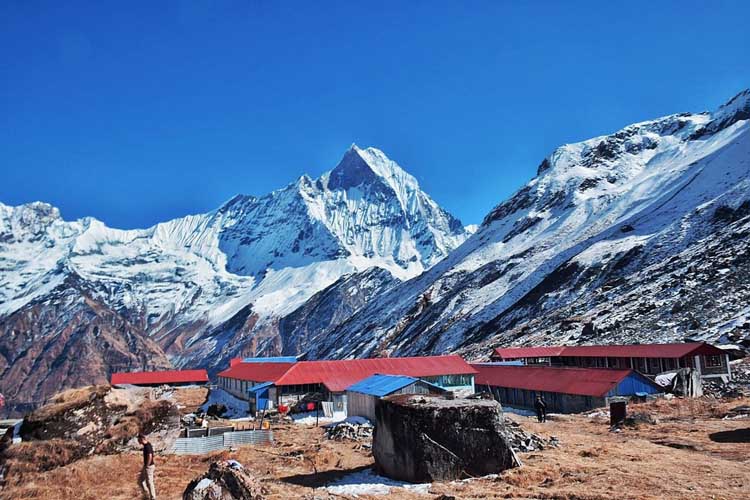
(351, 171)
(372, 167)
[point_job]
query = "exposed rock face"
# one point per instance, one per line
(425, 438)
(310, 324)
(641, 234)
(205, 287)
(68, 339)
(227, 480)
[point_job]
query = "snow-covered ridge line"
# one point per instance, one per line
(642, 194)
(197, 282)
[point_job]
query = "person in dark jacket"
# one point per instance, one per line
(146, 479)
(541, 409)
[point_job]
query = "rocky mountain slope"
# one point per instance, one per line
(641, 235)
(67, 338)
(202, 288)
(638, 235)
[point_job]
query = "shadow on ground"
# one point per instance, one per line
(320, 479)
(733, 436)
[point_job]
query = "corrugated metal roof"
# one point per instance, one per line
(382, 385)
(340, 374)
(271, 359)
(260, 387)
(257, 372)
(581, 381)
(160, 377)
(529, 352)
(614, 351)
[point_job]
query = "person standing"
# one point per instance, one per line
(146, 480)
(541, 409)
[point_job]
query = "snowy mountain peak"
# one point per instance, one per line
(30, 220)
(620, 238)
(740, 102)
(602, 168)
(351, 171)
(266, 253)
(735, 110)
(360, 166)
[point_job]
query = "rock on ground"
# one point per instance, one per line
(227, 480)
(426, 438)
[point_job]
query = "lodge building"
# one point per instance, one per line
(269, 384)
(648, 359)
(565, 390)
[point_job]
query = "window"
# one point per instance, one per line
(713, 361)
(653, 365)
(640, 365)
(449, 380)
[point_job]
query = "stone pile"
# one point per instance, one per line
(227, 480)
(524, 441)
(352, 431)
(737, 387)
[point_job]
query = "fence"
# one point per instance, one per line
(203, 445)
(203, 432)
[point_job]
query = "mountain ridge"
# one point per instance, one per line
(207, 286)
(596, 200)
(617, 238)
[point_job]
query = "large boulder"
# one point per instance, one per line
(422, 438)
(227, 480)
(102, 420)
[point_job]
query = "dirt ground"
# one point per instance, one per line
(689, 453)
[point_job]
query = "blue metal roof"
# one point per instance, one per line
(381, 385)
(260, 387)
(272, 359)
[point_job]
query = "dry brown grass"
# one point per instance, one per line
(190, 399)
(41, 456)
(72, 398)
(591, 464)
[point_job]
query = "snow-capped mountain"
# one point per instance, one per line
(643, 234)
(203, 286)
(610, 242)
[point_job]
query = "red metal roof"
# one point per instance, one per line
(612, 351)
(338, 375)
(257, 372)
(529, 352)
(160, 377)
(581, 381)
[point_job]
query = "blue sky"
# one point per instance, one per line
(138, 112)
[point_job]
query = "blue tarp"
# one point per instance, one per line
(635, 384)
(273, 359)
(381, 385)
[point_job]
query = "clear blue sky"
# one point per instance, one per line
(137, 112)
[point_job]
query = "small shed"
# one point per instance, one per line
(258, 397)
(361, 397)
